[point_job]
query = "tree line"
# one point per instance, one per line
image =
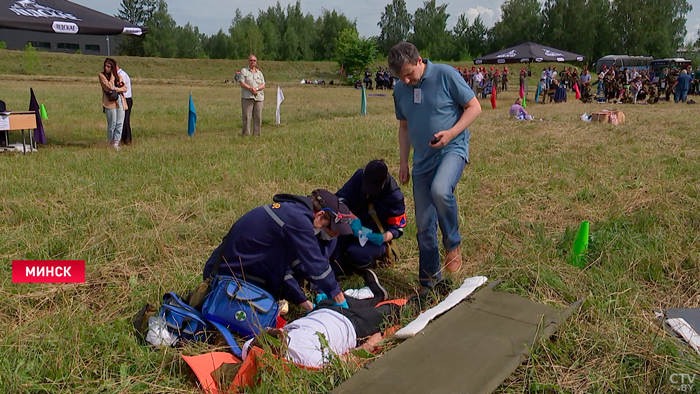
(592, 28)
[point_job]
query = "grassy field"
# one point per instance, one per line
(146, 219)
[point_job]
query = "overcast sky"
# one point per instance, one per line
(212, 15)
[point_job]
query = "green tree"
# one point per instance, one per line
(246, 37)
(460, 32)
(650, 27)
(605, 37)
(520, 22)
(353, 52)
(30, 59)
(430, 34)
(271, 39)
(469, 39)
(298, 35)
(218, 46)
(272, 26)
(476, 37)
(3, 45)
(190, 42)
(291, 45)
(395, 24)
(567, 25)
(138, 12)
(327, 29)
(161, 40)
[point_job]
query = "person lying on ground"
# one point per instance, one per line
(342, 329)
(277, 245)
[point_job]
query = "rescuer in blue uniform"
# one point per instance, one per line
(370, 187)
(276, 245)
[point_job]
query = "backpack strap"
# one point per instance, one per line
(391, 255)
(173, 300)
(228, 337)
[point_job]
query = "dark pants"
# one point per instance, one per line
(350, 256)
(363, 315)
(126, 131)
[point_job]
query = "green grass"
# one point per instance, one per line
(146, 219)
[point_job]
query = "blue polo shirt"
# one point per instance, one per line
(443, 95)
(684, 82)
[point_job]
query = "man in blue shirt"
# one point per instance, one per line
(371, 189)
(681, 86)
(434, 106)
(275, 245)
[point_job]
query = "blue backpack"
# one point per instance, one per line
(241, 307)
(232, 306)
(188, 324)
(182, 319)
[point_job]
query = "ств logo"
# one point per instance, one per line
(48, 271)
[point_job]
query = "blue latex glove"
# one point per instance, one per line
(343, 305)
(375, 238)
(356, 226)
(321, 297)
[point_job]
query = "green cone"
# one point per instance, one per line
(580, 246)
(42, 111)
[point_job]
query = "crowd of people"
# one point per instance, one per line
(482, 80)
(630, 86)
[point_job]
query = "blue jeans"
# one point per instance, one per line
(433, 193)
(115, 121)
(680, 95)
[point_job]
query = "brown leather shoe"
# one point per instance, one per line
(453, 260)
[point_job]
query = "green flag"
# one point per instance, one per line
(580, 246)
(363, 107)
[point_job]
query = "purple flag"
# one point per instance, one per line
(39, 135)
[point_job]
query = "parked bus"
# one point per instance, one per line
(657, 66)
(624, 61)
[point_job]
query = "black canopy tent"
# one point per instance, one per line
(529, 52)
(61, 16)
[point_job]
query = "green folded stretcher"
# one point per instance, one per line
(470, 349)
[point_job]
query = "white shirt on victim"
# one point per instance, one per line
(303, 345)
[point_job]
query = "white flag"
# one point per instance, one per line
(280, 98)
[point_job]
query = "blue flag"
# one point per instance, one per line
(192, 119)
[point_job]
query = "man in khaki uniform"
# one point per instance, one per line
(252, 84)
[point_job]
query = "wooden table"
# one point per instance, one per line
(23, 120)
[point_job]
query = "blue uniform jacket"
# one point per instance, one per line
(269, 250)
(389, 204)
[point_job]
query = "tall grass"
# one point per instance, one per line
(146, 218)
